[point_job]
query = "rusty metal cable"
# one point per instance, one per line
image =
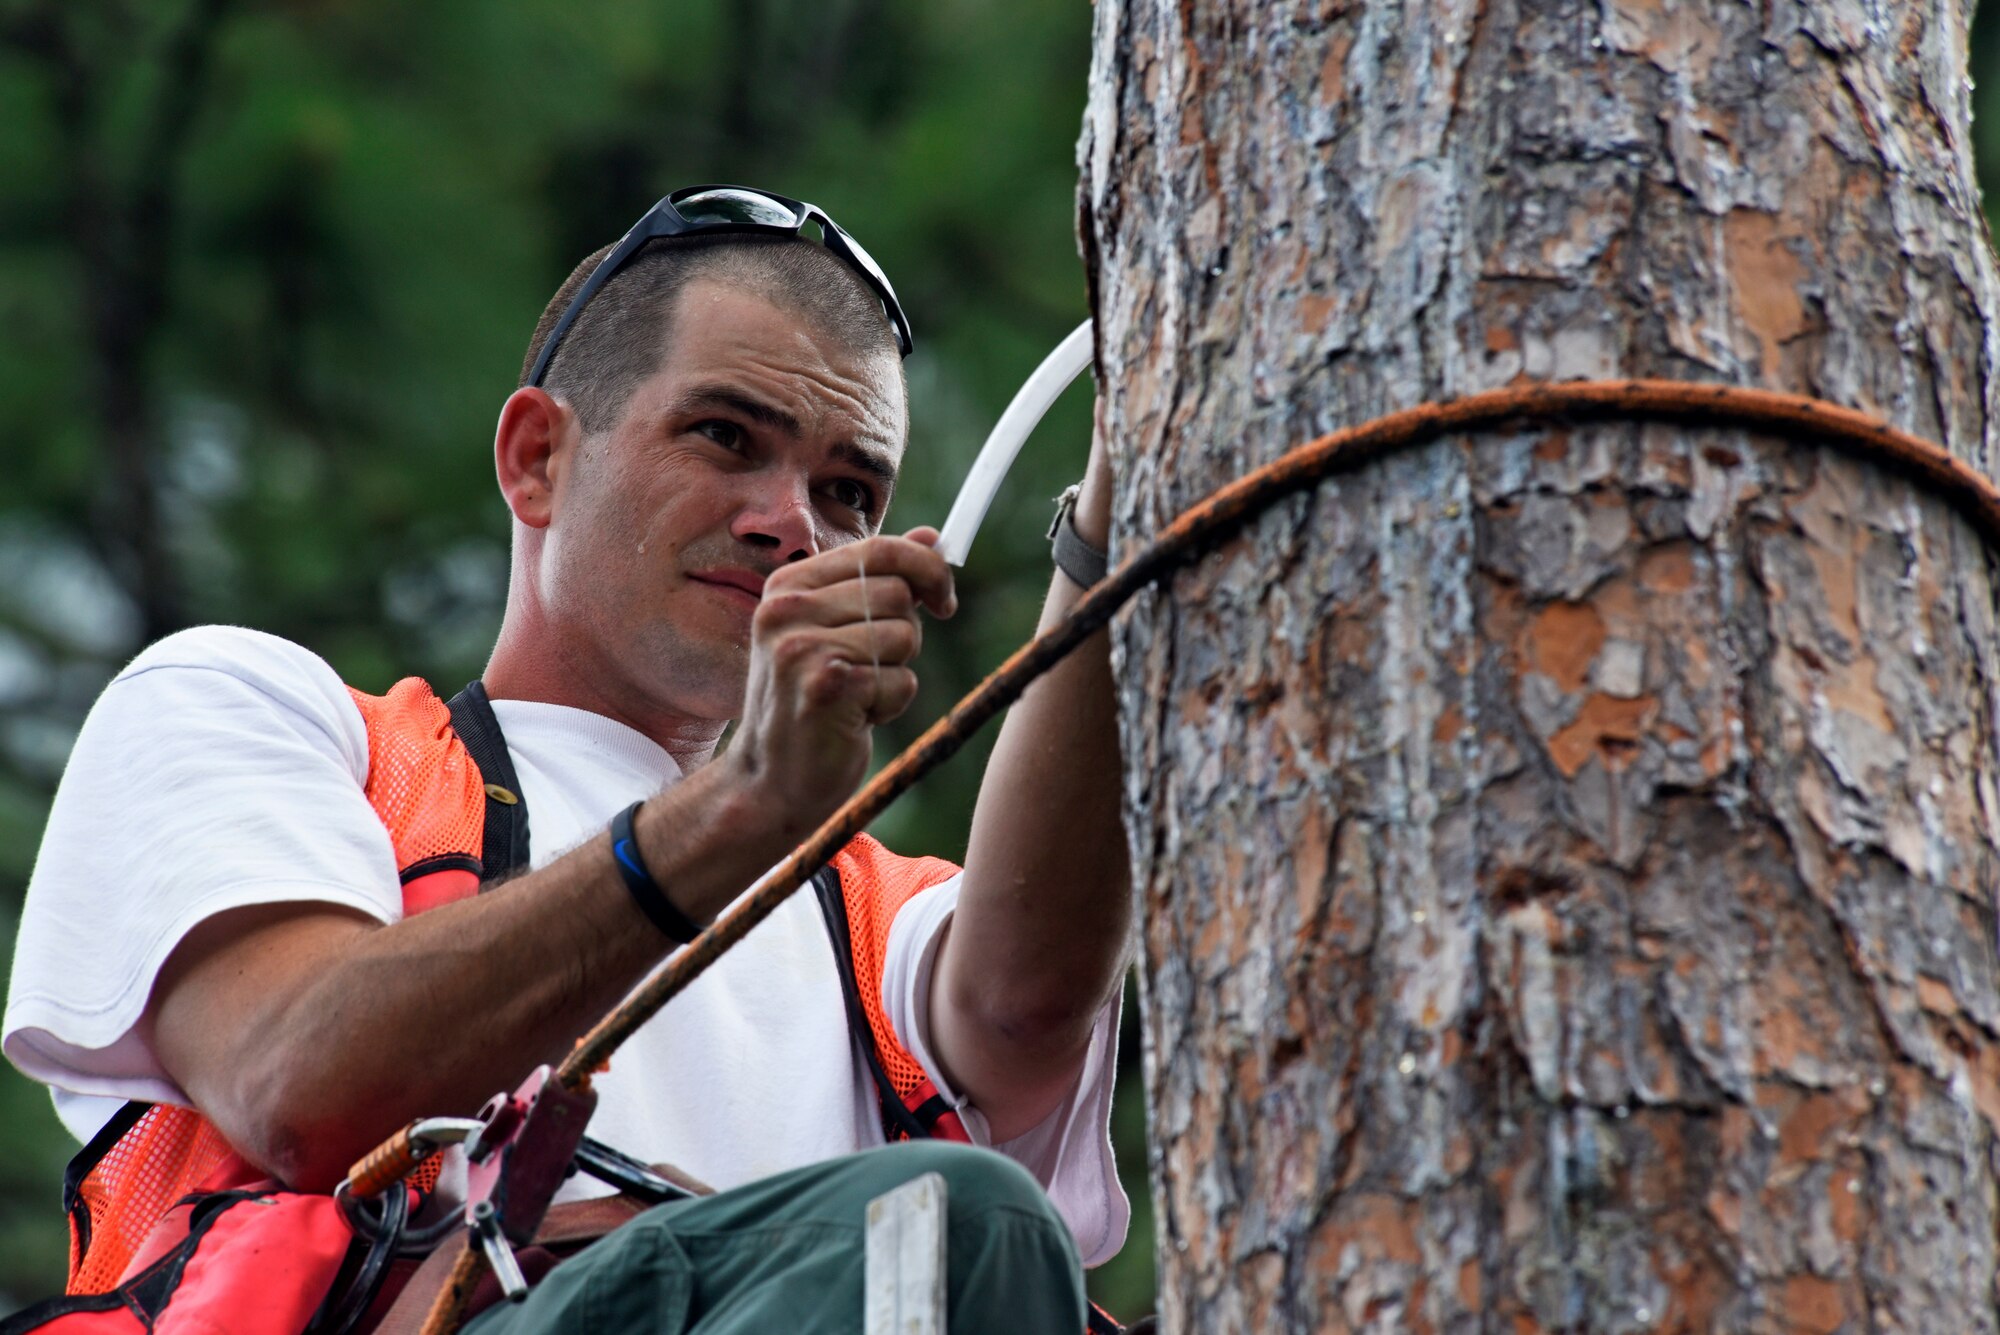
(1222, 514)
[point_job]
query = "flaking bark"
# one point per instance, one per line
(1567, 859)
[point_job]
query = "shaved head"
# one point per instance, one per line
(627, 330)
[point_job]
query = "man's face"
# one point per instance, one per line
(758, 441)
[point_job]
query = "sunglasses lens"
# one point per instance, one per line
(735, 206)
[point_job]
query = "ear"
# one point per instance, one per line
(530, 449)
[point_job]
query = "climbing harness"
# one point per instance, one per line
(1199, 529)
(146, 1197)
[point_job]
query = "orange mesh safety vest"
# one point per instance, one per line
(428, 789)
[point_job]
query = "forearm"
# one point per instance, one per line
(331, 1034)
(1046, 889)
(425, 1017)
(1039, 938)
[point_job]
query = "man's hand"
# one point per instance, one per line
(830, 652)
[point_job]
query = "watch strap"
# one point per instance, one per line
(1076, 558)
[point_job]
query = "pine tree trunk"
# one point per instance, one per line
(1568, 857)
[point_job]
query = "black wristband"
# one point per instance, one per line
(645, 891)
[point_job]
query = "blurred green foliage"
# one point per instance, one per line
(267, 271)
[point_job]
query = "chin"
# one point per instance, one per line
(706, 687)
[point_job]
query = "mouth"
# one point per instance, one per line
(743, 587)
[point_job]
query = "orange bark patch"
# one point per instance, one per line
(1667, 570)
(1356, 634)
(1850, 688)
(1781, 1038)
(1459, 1156)
(1563, 641)
(1499, 338)
(1726, 1209)
(1716, 755)
(1314, 311)
(1333, 70)
(1658, 1171)
(1813, 1305)
(1785, 1030)
(1378, 1227)
(1844, 1205)
(1804, 1132)
(1193, 128)
(1766, 276)
(1676, 39)
(1605, 725)
(1837, 580)
(1936, 996)
(1912, 1087)
(1310, 851)
(1450, 723)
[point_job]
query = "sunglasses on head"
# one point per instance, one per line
(707, 210)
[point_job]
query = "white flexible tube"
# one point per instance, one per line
(1003, 446)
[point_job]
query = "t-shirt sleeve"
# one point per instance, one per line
(223, 768)
(1070, 1152)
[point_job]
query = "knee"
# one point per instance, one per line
(991, 1200)
(1012, 1264)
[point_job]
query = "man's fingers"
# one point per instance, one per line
(873, 598)
(875, 558)
(880, 642)
(843, 672)
(895, 691)
(883, 692)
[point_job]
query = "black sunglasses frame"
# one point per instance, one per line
(664, 220)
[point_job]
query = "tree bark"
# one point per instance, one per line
(1567, 858)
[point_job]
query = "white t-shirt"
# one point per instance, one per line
(225, 767)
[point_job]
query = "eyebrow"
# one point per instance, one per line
(869, 462)
(704, 397)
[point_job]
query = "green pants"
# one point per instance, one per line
(784, 1254)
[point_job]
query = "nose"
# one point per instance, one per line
(777, 516)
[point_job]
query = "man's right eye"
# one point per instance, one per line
(726, 434)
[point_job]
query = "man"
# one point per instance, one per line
(708, 432)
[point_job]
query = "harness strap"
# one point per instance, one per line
(504, 847)
(86, 1159)
(898, 1119)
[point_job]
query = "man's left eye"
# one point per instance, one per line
(853, 495)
